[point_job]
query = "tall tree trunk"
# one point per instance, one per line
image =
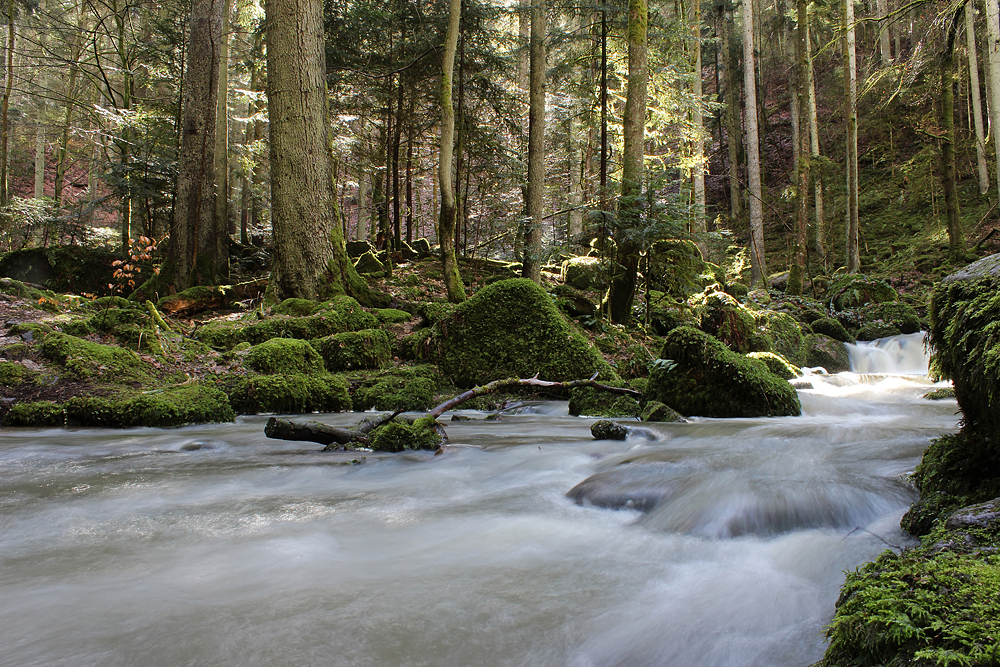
(884, 52)
(853, 254)
(409, 176)
(396, 140)
(532, 267)
(757, 260)
(798, 266)
(199, 254)
(449, 209)
(817, 230)
(39, 153)
(221, 199)
(62, 157)
(956, 239)
(977, 103)
(731, 107)
(310, 260)
(4, 111)
(621, 292)
(698, 223)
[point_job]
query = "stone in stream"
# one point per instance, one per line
(605, 429)
(625, 487)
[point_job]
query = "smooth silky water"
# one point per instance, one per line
(716, 542)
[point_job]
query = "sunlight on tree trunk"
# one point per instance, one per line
(757, 262)
(851, 113)
(977, 102)
(449, 208)
(532, 267)
(956, 239)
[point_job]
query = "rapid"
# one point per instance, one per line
(715, 542)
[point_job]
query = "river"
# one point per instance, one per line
(212, 545)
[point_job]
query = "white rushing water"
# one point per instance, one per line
(212, 545)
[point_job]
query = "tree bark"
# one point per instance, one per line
(621, 292)
(977, 103)
(757, 260)
(818, 231)
(698, 222)
(221, 213)
(4, 111)
(797, 270)
(853, 256)
(956, 239)
(731, 106)
(532, 265)
(310, 260)
(199, 249)
(449, 208)
(993, 44)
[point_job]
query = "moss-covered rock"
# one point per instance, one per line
(941, 394)
(288, 394)
(722, 316)
(296, 307)
(605, 429)
(13, 374)
(654, 411)
(831, 328)
(937, 604)
(583, 273)
(783, 334)
(368, 349)
(66, 268)
(596, 403)
(410, 388)
(284, 355)
(418, 346)
(854, 290)
(85, 360)
(512, 329)
(434, 311)
(37, 413)
(876, 330)
(827, 353)
(574, 302)
(399, 436)
(677, 267)
(369, 263)
(878, 320)
(667, 313)
(195, 403)
(701, 376)
(777, 364)
(392, 316)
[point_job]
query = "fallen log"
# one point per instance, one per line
(333, 437)
(197, 299)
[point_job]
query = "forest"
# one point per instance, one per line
(708, 291)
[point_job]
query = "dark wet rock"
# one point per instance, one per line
(984, 516)
(605, 429)
(828, 353)
(655, 411)
(626, 487)
(802, 384)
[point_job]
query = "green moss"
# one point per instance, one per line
(582, 273)
(832, 328)
(288, 394)
(30, 331)
(368, 349)
(784, 335)
(410, 388)
(284, 355)
(83, 359)
(337, 316)
(368, 263)
(676, 266)
(926, 606)
(433, 312)
(513, 329)
(722, 316)
(38, 413)
(295, 307)
(13, 374)
(876, 330)
(418, 346)
(897, 314)
(176, 406)
(95, 411)
(777, 364)
(855, 290)
(698, 375)
(596, 403)
(942, 394)
(654, 411)
(399, 436)
(667, 313)
(16, 351)
(392, 316)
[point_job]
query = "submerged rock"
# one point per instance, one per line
(605, 429)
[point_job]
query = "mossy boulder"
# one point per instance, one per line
(583, 273)
(783, 334)
(196, 403)
(66, 268)
(832, 328)
(827, 353)
(701, 376)
(85, 360)
(369, 349)
(422, 246)
(399, 435)
(369, 263)
(723, 317)
(941, 394)
(288, 394)
(592, 402)
(36, 413)
(654, 411)
(574, 302)
(878, 320)
(284, 355)
(392, 316)
(296, 307)
(777, 364)
(409, 388)
(605, 429)
(855, 290)
(876, 330)
(677, 267)
(667, 313)
(358, 248)
(433, 312)
(12, 374)
(513, 329)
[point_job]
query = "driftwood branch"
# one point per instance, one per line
(498, 385)
(331, 436)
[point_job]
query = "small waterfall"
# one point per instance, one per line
(895, 355)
